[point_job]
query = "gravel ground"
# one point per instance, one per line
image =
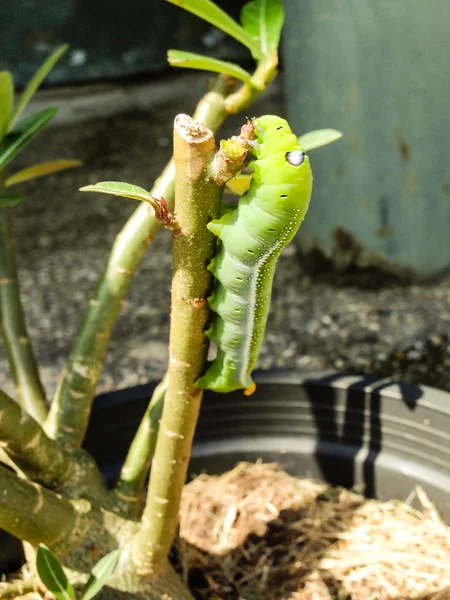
(358, 322)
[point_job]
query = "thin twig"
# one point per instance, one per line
(229, 159)
(164, 216)
(20, 587)
(137, 463)
(29, 389)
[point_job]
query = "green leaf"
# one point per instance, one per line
(36, 81)
(210, 12)
(263, 20)
(99, 575)
(52, 575)
(23, 133)
(118, 188)
(189, 60)
(10, 200)
(41, 169)
(6, 100)
(318, 138)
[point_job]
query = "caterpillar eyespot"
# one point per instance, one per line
(295, 157)
(244, 266)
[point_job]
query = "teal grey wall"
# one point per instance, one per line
(378, 70)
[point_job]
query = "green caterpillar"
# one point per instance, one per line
(252, 236)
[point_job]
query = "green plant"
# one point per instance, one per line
(52, 575)
(15, 135)
(60, 500)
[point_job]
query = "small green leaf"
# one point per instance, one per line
(318, 138)
(10, 200)
(189, 60)
(263, 20)
(6, 100)
(36, 81)
(52, 574)
(23, 133)
(118, 188)
(100, 574)
(210, 12)
(41, 169)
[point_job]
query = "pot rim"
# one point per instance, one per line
(390, 387)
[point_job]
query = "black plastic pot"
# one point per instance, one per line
(382, 436)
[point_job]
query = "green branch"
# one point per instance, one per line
(70, 411)
(137, 464)
(20, 588)
(32, 451)
(29, 389)
(35, 514)
(41, 459)
(197, 202)
(246, 94)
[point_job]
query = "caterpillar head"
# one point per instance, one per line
(274, 135)
(279, 157)
(271, 125)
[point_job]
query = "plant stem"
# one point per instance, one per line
(41, 459)
(70, 410)
(35, 514)
(137, 464)
(30, 392)
(245, 95)
(20, 588)
(197, 201)
(26, 443)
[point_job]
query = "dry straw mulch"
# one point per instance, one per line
(256, 533)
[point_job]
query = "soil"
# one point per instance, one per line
(256, 533)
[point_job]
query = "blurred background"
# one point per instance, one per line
(364, 289)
